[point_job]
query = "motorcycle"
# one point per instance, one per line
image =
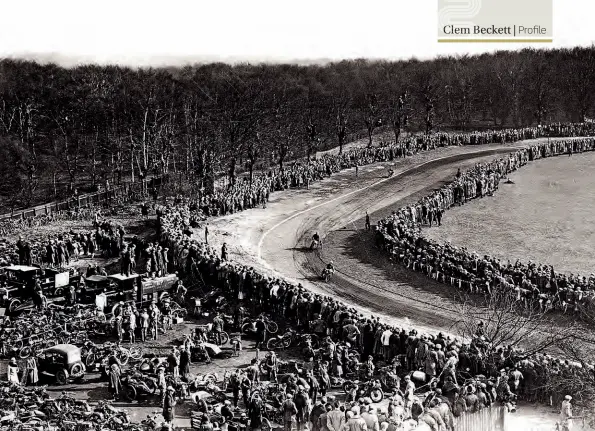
(136, 386)
(356, 389)
(281, 341)
(327, 274)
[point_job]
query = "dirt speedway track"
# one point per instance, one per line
(276, 239)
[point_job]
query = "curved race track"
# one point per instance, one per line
(275, 238)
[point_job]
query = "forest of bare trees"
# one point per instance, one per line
(62, 129)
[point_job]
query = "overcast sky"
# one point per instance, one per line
(148, 32)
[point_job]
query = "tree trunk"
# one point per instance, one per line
(251, 169)
(370, 131)
(397, 130)
(232, 171)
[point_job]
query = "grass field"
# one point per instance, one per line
(547, 216)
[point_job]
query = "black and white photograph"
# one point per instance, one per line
(297, 216)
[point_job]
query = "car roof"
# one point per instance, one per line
(63, 348)
(121, 277)
(22, 268)
(97, 278)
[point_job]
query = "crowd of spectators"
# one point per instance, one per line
(530, 283)
(460, 370)
(244, 194)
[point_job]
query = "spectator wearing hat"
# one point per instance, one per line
(370, 417)
(289, 411)
(169, 403)
(32, 374)
(301, 401)
(355, 422)
(173, 362)
(566, 414)
(317, 410)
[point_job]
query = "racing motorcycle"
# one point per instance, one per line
(327, 274)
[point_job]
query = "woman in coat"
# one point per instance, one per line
(185, 362)
(169, 403)
(32, 375)
(13, 372)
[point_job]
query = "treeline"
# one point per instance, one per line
(62, 128)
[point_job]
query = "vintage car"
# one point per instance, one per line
(61, 364)
(20, 284)
(125, 288)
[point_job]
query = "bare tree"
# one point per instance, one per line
(508, 322)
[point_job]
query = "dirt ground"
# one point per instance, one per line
(275, 238)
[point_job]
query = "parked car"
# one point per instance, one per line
(61, 364)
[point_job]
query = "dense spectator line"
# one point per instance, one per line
(439, 356)
(300, 174)
(402, 236)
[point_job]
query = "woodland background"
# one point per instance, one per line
(63, 129)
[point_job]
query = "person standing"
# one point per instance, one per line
(255, 413)
(234, 383)
(302, 402)
(174, 362)
(261, 330)
(289, 411)
(32, 374)
(132, 327)
(12, 372)
(355, 422)
(335, 419)
(314, 386)
(566, 414)
(114, 380)
(185, 362)
(206, 233)
(144, 324)
(217, 328)
(169, 403)
(119, 327)
(367, 221)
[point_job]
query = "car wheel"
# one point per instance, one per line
(376, 395)
(90, 360)
(61, 377)
(25, 352)
(76, 369)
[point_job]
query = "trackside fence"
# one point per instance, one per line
(125, 192)
(492, 418)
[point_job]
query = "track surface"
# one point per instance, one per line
(276, 239)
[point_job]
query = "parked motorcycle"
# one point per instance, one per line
(356, 389)
(137, 386)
